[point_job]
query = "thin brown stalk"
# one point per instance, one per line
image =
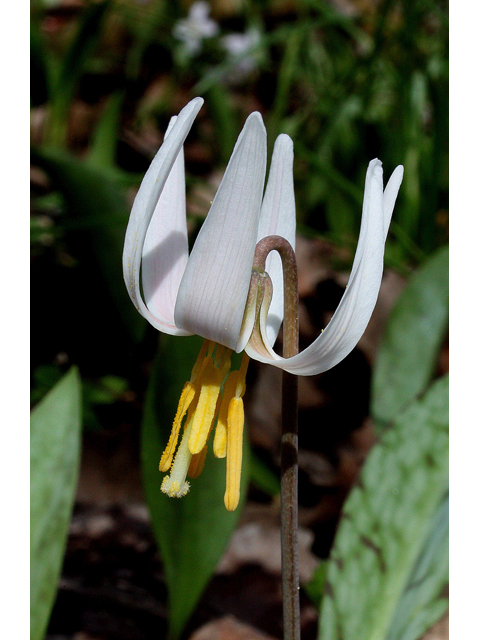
(289, 440)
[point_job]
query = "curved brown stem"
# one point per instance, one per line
(289, 441)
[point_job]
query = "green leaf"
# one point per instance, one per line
(97, 205)
(55, 457)
(417, 610)
(192, 531)
(381, 581)
(414, 333)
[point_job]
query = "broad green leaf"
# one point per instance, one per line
(419, 607)
(97, 205)
(387, 545)
(412, 338)
(55, 457)
(192, 531)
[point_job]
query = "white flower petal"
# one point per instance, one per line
(353, 313)
(165, 251)
(390, 195)
(145, 205)
(278, 218)
(212, 295)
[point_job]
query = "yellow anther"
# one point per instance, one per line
(211, 382)
(188, 394)
(236, 421)
(220, 440)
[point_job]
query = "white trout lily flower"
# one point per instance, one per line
(207, 292)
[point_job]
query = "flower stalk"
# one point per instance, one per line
(289, 437)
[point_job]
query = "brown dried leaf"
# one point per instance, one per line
(256, 543)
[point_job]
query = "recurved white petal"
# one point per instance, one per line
(278, 218)
(353, 313)
(165, 251)
(147, 202)
(390, 195)
(212, 295)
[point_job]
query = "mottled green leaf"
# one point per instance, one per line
(55, 457)
(419, 608)
(192, 531)
(387, 540)
(414, 333)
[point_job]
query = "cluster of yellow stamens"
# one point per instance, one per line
(213, 393)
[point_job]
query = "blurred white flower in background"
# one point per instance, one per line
(242, 46)
(195, 27)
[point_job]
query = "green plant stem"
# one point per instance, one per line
(289, 440)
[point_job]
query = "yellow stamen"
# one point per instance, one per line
(235, 424)
(229, 391)
(205, 411)
(234, 453)
(202, 401)
(188, 394)
(211, 382)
